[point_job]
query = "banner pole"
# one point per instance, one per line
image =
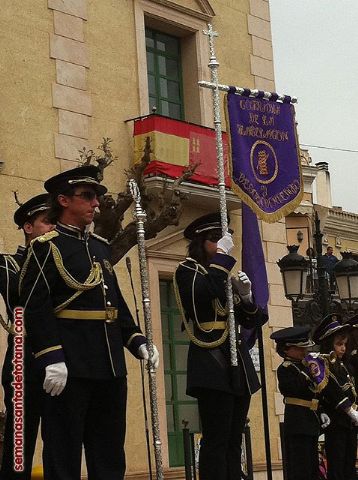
(214, 65)
(264, 403)
(242, 90)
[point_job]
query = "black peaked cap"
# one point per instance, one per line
(293, 336)
(330, 325)
(211, 221)
(87, 175)
(31, 207)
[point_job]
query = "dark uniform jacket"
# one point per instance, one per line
(353, 365)
(9, 282)
(335, 405)
(295, 383)
(202, 295)
(74, 309)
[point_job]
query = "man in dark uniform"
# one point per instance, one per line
(31, 217)
(78, 323)
(223, 392)
(301, 398)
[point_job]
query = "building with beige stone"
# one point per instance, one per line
(74, 71)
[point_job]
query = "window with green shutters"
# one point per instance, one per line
(164, 74)
(175, 346)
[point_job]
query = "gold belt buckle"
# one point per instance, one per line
(111, 314)
(315, 403)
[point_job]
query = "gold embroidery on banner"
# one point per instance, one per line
(262, 162)
(262, 158)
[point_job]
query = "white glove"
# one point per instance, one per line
(242, 286)
(56, 378)
(353, 414)
(225, 243)
(325, 420)
(143, 353)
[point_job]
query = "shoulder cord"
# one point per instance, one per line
(91, 280)
(193, 302)
(39, 274)
(335, 379)
(24, 268)
(13, 262)
(94, 278)
(8, 325)
(313, 387)
(191, 336)
(22, 274)
(350, 384)
(219, 309)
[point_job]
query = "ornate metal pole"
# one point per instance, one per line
(129, 269)
(140, 216)
(214, 65)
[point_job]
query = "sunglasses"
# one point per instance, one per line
(86, 195)
(213, 236)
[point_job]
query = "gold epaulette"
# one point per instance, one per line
(45, 237)
(101, 239)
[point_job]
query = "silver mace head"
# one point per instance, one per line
(134, 190)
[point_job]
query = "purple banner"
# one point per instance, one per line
(265, 160)
(253, 264)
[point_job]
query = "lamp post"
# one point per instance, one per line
(310, 308)
(346, 273)
(322, 294)
(293, 269)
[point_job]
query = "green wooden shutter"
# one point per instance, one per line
(164, 74)
(175, 346)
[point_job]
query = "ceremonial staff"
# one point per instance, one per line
(213, 65)
(129, 269)
(140, 216)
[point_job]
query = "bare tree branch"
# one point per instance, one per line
(162, 209)
(108, 223)
(171, 204)
(17, 198)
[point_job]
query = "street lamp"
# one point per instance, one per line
(310, 309)
(293, 269)
(346, 273)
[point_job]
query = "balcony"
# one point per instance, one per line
(175, 145)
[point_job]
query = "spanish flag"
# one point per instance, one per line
(175, 145)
